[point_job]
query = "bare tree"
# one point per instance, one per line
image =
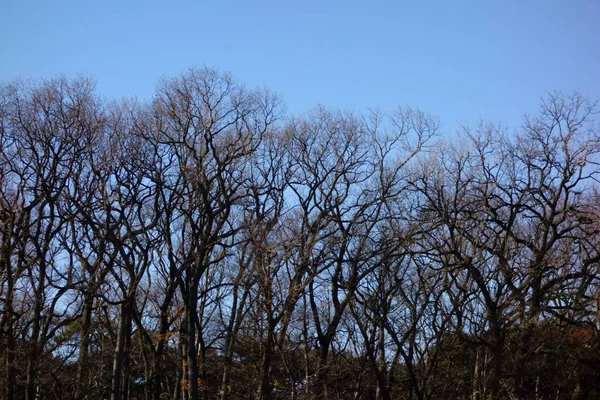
(210, 125)
(192, 247)
(44, 135)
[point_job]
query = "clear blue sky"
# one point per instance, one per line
(460, 60)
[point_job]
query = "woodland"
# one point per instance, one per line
(205, 244)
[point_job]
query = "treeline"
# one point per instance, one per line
(205, 245)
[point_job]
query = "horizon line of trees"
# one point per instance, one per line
(204, 245)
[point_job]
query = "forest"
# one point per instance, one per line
(205, 244)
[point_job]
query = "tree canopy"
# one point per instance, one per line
(205, 245)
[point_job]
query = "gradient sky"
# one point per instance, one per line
(459, 60)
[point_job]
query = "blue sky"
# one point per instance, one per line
(460, 60)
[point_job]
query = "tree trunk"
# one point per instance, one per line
(10, 365)
(476, 395)
(266, 388)
(34, 346)
(118, 359)
(191, 354)
(84, 343)
(321, 391)
(497, 376)
(233, 326)
(381, 369)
